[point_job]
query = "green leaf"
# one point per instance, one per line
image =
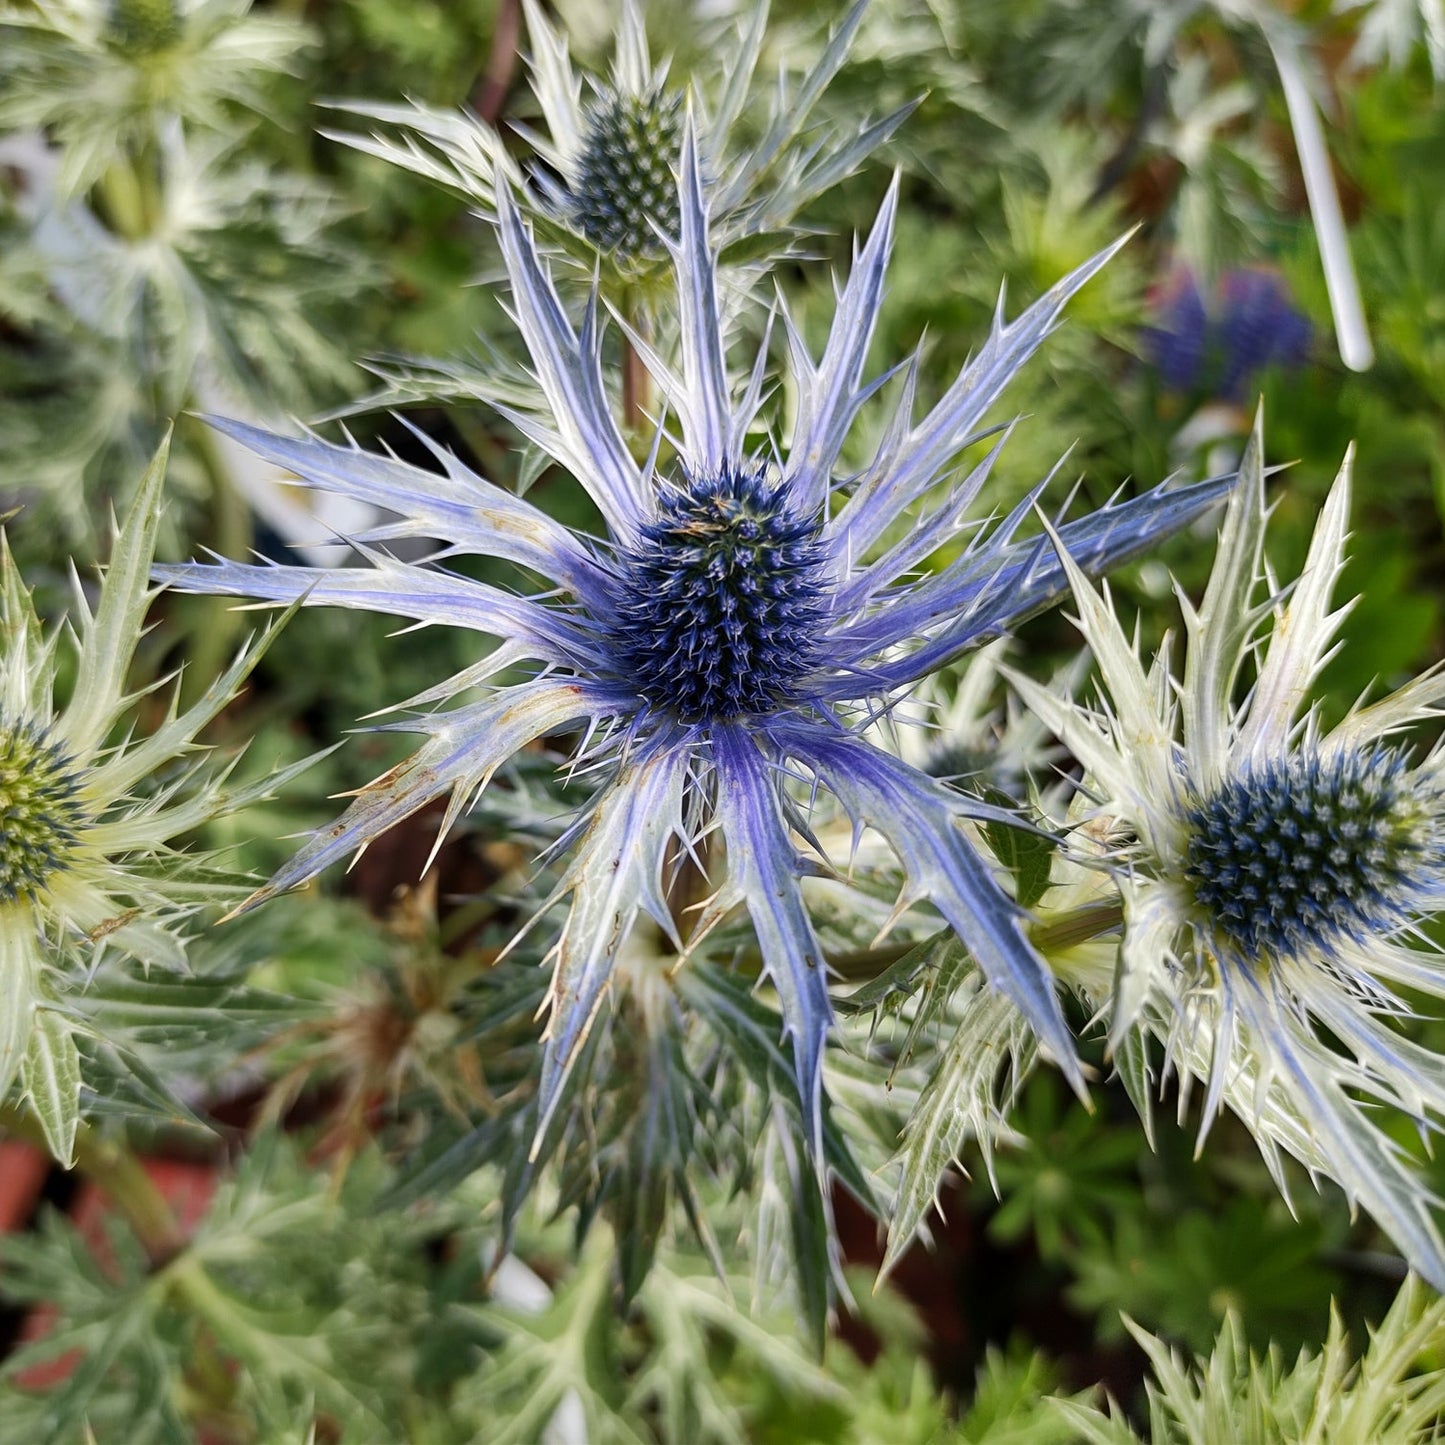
(52, 1082)
(811, 1219)
(121, 1083)
(659, 1145)
(444, 1162)
(754, 1035)
(969, 1096)
(901, 979)
(18, 968)
(1026, 854)
(758, 246)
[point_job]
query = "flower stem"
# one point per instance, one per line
(122, 1177)
(1078, 925)
(636, 379)
(506, 35)
(635, 389)
(1063, 930)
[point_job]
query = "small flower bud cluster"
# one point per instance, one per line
(624, 183)
(39, 811)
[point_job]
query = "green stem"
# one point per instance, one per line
(123, 202)
(1062, 931)
(122, 1177)
(1077, 926)
(231, 529)
(130, 195)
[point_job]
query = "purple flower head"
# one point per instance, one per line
(1176, 345)
(1217, 345)
(722, 649)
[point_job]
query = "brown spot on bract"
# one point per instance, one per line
(104, 930)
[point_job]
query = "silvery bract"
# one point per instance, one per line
(87, 862)
(611, 147)
(746, 615)
(1271, 870)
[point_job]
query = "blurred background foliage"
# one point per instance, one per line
(199, 244)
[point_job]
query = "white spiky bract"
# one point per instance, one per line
(841, 568)
(96, 74)
(1241, 994)
(756, 188)
(95, 869)
(1340, 1394)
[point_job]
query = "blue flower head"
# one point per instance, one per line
(1296, 854)
(1220, 343)
(724, 645)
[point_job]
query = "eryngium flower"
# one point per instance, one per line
(746, 614)
(1219, 345)
(1270, 870)
(86, 824)
(605, 186)
(103, 76)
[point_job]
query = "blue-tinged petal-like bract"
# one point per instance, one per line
(728, 641)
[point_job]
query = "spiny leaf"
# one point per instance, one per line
(968, 1096)
(52, 1082)
(1026, 854)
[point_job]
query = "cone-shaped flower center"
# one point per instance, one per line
(143, 27)
(624, 179)
(1294, 856)
(39, 811)
(721, 603)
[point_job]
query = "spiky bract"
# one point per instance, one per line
(1270, 870)
(87, 863)
(611, 144)
(735, 632)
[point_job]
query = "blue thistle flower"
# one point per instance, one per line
(1271, 874)
(1258, 326)
(747, 615)
(1176, 345)
(1220, 342)
(721, 604)
(1296, 854)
